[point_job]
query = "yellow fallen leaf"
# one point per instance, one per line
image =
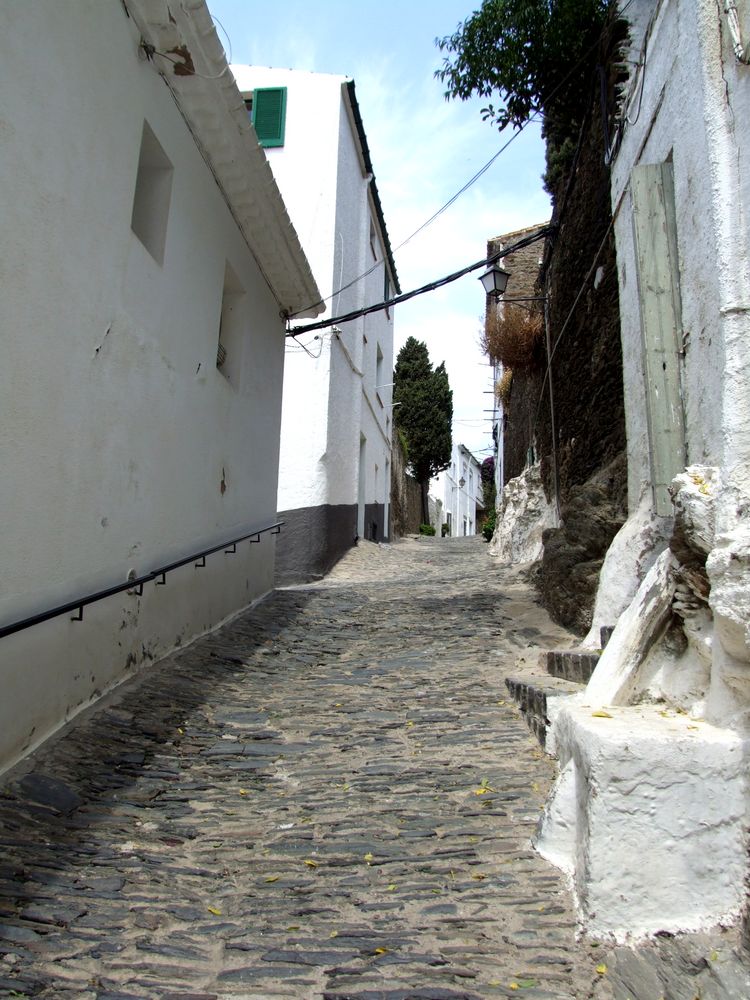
(369, 857)
(501, 703)
(481, 791)
(601, 969)
(381, 951)
(180, 731)
(601, 714)
(333, 934)
(212, 909)
(409, 723)
(513, 986)
(391, 887)
(310, 863)
(479, 876)
(273, 878)
(243, 791)
(714, 956)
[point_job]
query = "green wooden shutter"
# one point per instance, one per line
(269, 115)
(655, 231)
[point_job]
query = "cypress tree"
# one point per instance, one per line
(424, 415)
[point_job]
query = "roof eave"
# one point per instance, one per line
(204, 90)
(364, 148)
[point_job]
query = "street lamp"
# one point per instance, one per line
(495, 280)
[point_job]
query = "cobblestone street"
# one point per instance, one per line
(330, 797)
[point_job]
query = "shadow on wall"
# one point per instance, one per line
(312, 541)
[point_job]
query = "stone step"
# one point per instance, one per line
(538, 696)
(572, 664)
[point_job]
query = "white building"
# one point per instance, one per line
(335, 469)
(460, 489)
(651, 811)
(142, 277)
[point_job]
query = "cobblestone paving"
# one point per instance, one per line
(328, 798)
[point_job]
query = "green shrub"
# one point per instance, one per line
(488, 528)
(426, 529)
(445, 529)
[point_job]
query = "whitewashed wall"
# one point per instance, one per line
(686, 109)
(668, 781)
(460, 501)
(123, 447)
(330, 400)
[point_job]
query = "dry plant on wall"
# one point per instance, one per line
(511, 335)
(503, 386)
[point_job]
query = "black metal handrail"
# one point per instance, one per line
(136, 584)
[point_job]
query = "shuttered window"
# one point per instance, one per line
(269, 115)
(658, 269)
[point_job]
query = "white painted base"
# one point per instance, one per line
(523, 514)
(649, 816)
(616, 674)
(630, 556)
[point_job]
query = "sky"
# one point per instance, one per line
(424, 149)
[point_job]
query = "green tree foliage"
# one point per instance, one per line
(424, 414)
(537, 56)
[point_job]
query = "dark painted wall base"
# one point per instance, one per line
(312, 540)
(375, 522)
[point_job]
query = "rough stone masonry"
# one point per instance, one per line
(327, 798)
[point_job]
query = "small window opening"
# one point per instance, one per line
(230, 346)
(153, 189)
(379, 374)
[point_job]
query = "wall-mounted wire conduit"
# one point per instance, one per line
(158, 576)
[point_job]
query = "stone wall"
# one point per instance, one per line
(587, 383)
(519, 409)
(406, 496)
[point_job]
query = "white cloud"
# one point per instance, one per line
(423, 150)
(421, 159)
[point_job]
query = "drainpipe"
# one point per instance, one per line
(733, 19)
(728, 564)
(553, 426)
(731, 263)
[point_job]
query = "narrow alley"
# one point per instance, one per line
(330, 797)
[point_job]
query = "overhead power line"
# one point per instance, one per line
(472, 180)
(431, 287)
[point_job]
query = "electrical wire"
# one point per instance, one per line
(472, 180)
(152, 51)
(215, 19)
(571, 311)
(430, 287)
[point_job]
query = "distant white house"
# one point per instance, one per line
(335, 467)
(460, 489)
(147, 255)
